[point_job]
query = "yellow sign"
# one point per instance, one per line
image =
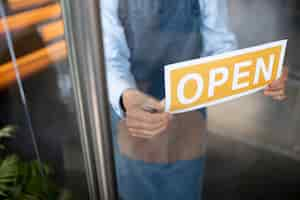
(208, 81)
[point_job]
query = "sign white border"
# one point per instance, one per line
(171, 67)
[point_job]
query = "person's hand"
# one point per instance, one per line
(276, 89)
(145, 116)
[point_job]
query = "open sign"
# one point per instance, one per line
(208, 81)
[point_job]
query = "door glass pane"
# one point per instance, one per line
(254, 153)
(44, 118)
(253, 144)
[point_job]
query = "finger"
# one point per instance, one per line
(139, 133)
(281, 80)
(276, 84)
(143, 116)
(285, 74)
(153, 103)
(132, 123)
(142, 136)
(279, 87)
(274, 93)
(146, 133)
(280, 98)
(163, 103)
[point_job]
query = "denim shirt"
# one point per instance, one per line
(216, 36)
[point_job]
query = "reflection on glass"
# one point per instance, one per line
(37, 31)
(15, 5)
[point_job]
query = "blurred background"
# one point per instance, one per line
(254, 147)
(38, 37)
(254, 142)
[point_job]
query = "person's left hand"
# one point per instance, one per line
(276, 89)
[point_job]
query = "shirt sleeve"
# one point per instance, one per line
(217, 37)
(117, 54)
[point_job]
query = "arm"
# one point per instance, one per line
(217, 37)
(121, 82)
(117, 54)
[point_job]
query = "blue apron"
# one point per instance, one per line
(159, 32)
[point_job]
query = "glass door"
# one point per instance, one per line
(83, 113)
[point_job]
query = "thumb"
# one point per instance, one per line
(285, 73)
(152, 103)
(163, 103)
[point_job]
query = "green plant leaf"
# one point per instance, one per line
(23, 180)
(7, 131)
(3, 194)
(8, 175)
(9, 168)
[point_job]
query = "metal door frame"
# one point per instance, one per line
(83, 32)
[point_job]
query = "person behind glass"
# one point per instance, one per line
(160, 156)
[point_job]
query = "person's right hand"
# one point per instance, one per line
(140, 121)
